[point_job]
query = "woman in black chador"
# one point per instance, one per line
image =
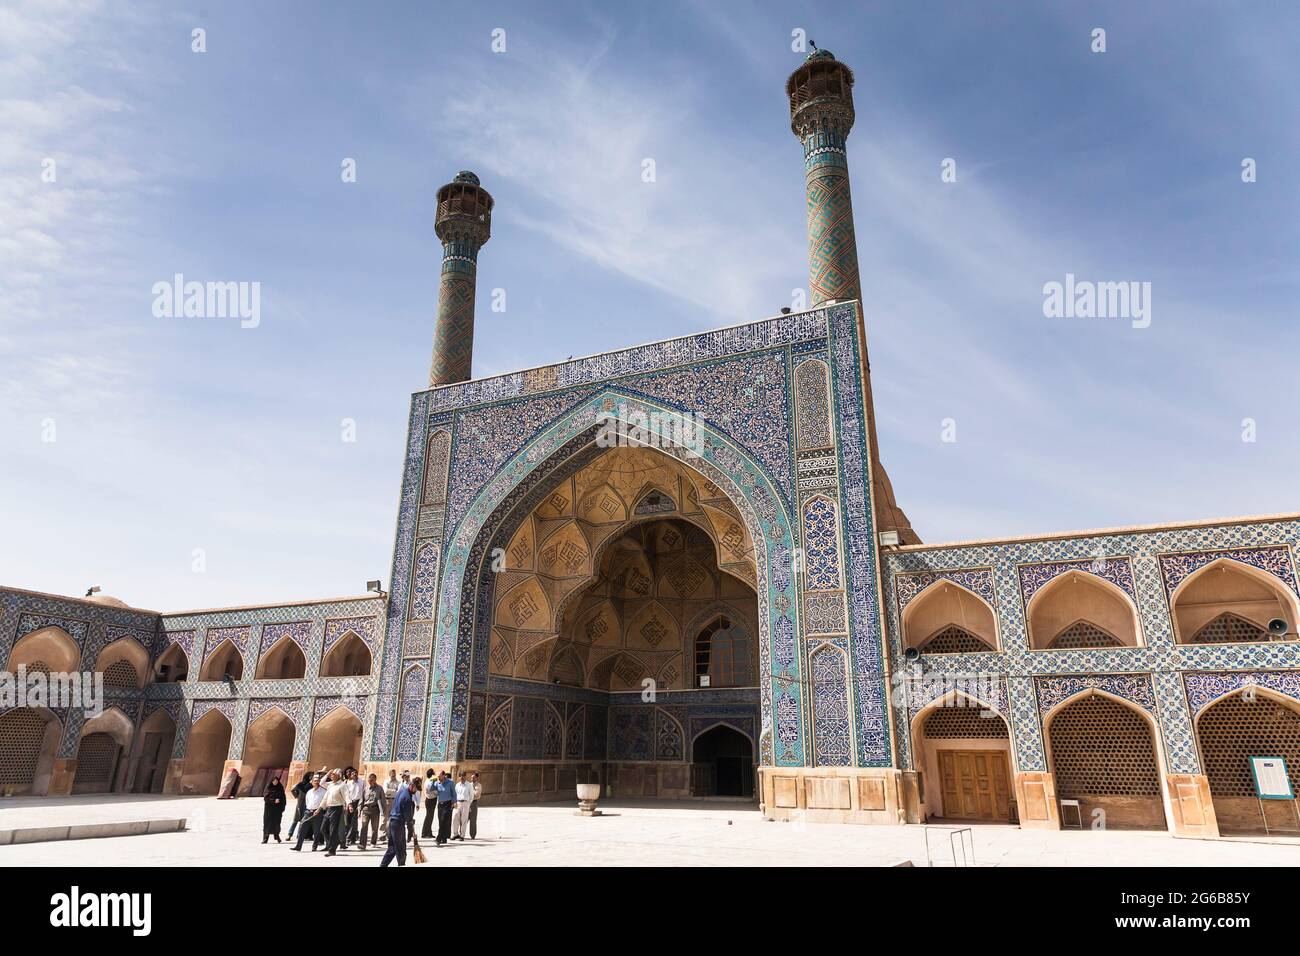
(273, 811)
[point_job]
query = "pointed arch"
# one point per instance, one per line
(102, 746)
(812, 404)
(961, 745)
(283, 660)
(832, 730)
(124, 663)
(349, 657)
(30, 738)
(51, 645)
(336, 740)
(1079, 595)
(173, 665)
(224, 660)
(206, 752)
(1227, 586)
(1105, 751)
(561, 445)
(945, 603)
(1251, 721)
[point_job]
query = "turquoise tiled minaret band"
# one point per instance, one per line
(463, 223)
(821, 115)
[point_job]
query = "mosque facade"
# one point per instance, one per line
(680, 570)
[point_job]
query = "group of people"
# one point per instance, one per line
(339, 809)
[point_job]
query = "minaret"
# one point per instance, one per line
(463, 222)
(821, 115)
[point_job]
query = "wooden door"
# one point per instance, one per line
(975, 784)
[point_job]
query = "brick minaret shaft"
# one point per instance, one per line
(821, 115)
(463, 222)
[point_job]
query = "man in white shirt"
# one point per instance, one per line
(473, 807)
(430, 804)
(313, 815)
(336, 803)
(464, 800)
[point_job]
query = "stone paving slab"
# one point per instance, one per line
(228, 833)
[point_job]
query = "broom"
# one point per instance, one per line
(418, 856)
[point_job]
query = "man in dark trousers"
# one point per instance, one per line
(445, 789)
(400, 818)
(430, 805)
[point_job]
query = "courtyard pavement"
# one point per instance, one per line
(649, 833)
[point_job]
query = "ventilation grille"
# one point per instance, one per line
(1083, 634)
(1235, 729)
(1230, 629)
(96, 758)
(1102, 748)
(21, 734)
(954, 640)
(120, 674)
(964, 722)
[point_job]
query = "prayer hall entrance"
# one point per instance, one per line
(722, 764)
(975, 784)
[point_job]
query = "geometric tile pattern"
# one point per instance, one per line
(1131, 687)
(1117, 571)
(1276, 561)
(1161, 677)
(978, 581)
(821, 547)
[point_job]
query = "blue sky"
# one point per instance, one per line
(175, 434)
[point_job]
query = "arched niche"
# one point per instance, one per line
(1228, 601)
(947, 618)
(105, 741)
(124, 663)
(1056, 612)
(224, 661)
(268, 749)
(205, 754)
(29, 739)
(1104, 751)
(283, 660)
(336, 740)
(349, 657)
(50, 646)
(1249, 722)
(173, 665)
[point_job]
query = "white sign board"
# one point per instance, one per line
(1271, 781)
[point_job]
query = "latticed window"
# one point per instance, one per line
(22, 732)
(120, 674)
(1228, 628)
(1084, 634)
(1100, 747)
(954, 640)
(96, 759)
(965, 722)
(723, 654)
(1235, 729)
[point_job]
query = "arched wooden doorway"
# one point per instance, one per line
(963, 751)
(722, 764)
(158, 737)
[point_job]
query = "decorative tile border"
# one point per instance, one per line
(1135, 688)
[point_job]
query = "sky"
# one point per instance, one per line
(193, 462)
